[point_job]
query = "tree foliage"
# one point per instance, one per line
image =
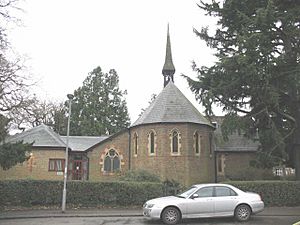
(41, 112)
(257, 73)
(99, 107)
(11, 153)
(13, 85)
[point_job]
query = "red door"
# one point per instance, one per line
(78, 171)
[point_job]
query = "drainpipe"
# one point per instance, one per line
(129, 149)
(215, 162)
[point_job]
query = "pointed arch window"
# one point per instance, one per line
(152, 142)
(175, 142)
(112, 161)
(135, 144)
(197, 143)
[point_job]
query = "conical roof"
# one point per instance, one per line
(171, 106)
(168, 68)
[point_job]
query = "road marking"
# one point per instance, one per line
(297, 223)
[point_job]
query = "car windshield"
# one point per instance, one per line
(187, 193)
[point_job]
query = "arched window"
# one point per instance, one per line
(151, 142)
(135, 144)
(175, 137)
(197, 143)
(175, 140)
(111, 161)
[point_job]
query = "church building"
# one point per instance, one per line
(170, 139)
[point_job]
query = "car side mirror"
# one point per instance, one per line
(194, 196)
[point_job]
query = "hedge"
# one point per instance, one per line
(109, 194)
(273, 193)
(85, 194)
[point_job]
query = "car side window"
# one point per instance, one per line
(205, 192)
(224, 191)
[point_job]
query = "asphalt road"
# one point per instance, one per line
(255, 220)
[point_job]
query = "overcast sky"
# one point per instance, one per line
(64, 40)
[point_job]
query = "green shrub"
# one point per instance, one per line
(172, 187)
(46, 193)
(92, 194)
(251, 174)
(139, 175)
(273, 193)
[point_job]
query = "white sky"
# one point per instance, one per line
(66, 39)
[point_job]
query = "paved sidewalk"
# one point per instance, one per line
(45, 213)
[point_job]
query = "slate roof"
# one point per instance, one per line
(44, 136)
(235, 143)
(82, 143)
(171, 106)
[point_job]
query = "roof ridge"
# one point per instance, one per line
(24, 133)
(53, 134)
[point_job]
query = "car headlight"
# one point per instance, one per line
(149, 206)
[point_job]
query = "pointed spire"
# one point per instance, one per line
(168, 69)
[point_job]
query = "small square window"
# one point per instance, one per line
(57, 165)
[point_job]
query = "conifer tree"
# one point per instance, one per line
(99, 107)
(256, 78)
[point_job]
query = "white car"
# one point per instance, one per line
(204, 200)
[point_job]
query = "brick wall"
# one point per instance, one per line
(237, 167)
(186, 167)
(36, 167)
(119, 143)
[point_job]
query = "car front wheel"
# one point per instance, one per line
(242, 213)
(170, 215)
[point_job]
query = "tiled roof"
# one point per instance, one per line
(44, 136)
(82, 143)
(235, 143)
(171, 106)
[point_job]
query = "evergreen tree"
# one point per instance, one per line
(99, 107)
(11, 153)
(257, 74)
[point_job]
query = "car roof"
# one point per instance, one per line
(211, 184)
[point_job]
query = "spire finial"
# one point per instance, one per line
(168, 69)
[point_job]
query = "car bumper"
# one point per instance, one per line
(152, 213)
(257, 207)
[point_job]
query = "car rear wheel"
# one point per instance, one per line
(242, 213)
(171, 215)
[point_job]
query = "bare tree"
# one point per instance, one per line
(14, 86)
